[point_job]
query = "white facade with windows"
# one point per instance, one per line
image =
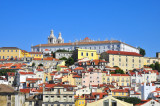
(100, 46)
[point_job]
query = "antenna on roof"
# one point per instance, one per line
(69, 41)
(98, 39)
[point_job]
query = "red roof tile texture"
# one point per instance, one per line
(123, 53)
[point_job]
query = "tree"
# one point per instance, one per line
(69, 61)
(3, 72)
(40, 64)
(63, 58)
(152, 66)
(33, 64)
(142, 51)
(53, 54)
(155, 66)
(133, 100)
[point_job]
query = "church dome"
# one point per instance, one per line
(52, 34)
(60, 36)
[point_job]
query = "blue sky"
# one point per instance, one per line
(28, 22)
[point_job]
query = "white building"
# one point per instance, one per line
(101, 46)
(146, 89)
(23, 76)
(59, 55)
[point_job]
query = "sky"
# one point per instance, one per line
(24, 23)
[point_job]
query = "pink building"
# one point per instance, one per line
(91, 78)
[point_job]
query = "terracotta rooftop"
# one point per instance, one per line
(9, 48)
(35, 53)
(24, 73)
(123, 53)
(78, 43)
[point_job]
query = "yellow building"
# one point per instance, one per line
(36, 54)
(47, 77)
(116, 79)
(120, 92)
(124, 60)
(109, 101)
(10, 52)
(14, 52)
(150, 60)
(85, 53)
(79, 101)
(73, 79)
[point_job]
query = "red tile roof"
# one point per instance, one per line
(33, 79)
(37, 58)
(76, 76)
(79, 68)
(79, 43)
(59, 85)
(120, 90)
(25, 90)
(11, 73)
(63, 66)
(39, 69)
(35, 53)
(24, 73)
(123, 53)
(119, 75)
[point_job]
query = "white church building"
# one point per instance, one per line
(101, 46)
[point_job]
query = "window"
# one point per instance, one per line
(122, 93)
(3, 50)
(16, 50)
(132, 65)
(106, 103)
(92, 54)
(11, 50)
(9, 104)
(46, 96)
(9, 97)
(139, 60)
(0, 50)
(64, 97)
(86, 54)
(114, 103)
(70, 97)
(8, 50)
(81, 53)
(79, 103)
(0, 57)
(58, 97)
(119, 93)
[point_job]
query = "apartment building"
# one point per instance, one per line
(124, 60)
(58, 95)
(116, 79)
(16, 53)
